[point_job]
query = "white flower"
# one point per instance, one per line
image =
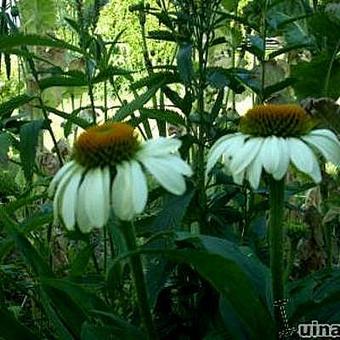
(245, 155)
(85, 193)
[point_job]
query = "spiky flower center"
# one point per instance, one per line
(282, 120)
(105, 145)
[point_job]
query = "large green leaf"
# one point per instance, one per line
(29, 136)
(316, 297)
(318, 78)
(228, 278)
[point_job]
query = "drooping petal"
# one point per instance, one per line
(158, 147)
(106, 177)
(326, 144)
(83, 220)
(238, 177)
(254, 171)
(284, 159)
(69, 200)
(96, 204)
(59, 175)
(234, 145)
(242, 157)
(165, 174)
(220, 146)
(60, 191)
(139, 187)
(270, 154)
(122, 193)
(304, 159)
(178, 165)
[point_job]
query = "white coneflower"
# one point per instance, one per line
(108, 170)
(270, 138)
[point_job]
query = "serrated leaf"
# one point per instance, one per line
(7, 108)
(29, 136)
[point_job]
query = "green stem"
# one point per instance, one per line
(139, 281)
(276, 198)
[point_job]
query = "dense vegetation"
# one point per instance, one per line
(188, 69)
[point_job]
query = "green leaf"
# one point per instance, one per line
(7, 108)
(269, 90)
(136, 104)
(20, 39)
(25, 247)
(316, 297)
(72, 302)
(257, 273)
(162, 35)
(227, 277)
(80, 263)
(168, 116)
(64, 81)
(256, 46)
(312, 78)
(156, 78)
(83, 123)
(29, 135)
(108, 332)
(11, 328)
(184, 63)
(5, 142)
(230, 5)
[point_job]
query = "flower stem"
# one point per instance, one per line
(276, 198)
(139, 281)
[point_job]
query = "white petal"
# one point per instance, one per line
(219, 147)
(254, 171)
(234, 145)
(238, 177)
(242, 157)
(139, 187)
(304, 159)
(83, 220)
(270, 154)
(284, 159)
(166, 174)
(96, 204)
(69, 200)
(60, 192)
(177, 164)
(122, 193)
(159, 147)
(325, 133)
(59, 175)
(329, 147)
